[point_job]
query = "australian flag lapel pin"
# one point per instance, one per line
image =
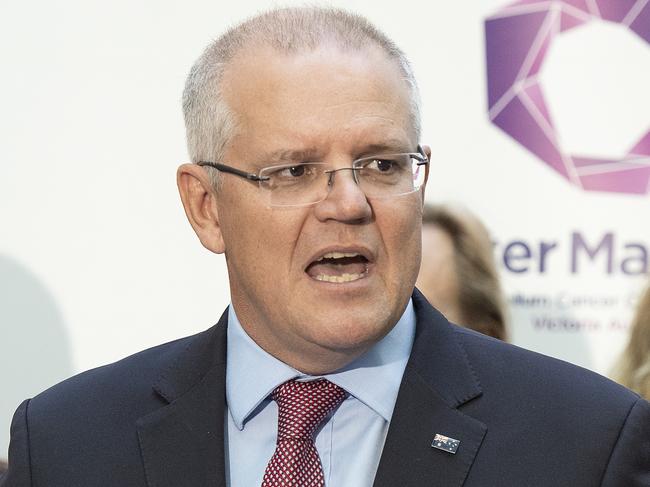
(444, 443)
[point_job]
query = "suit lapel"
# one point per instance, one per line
(182, 443)
(437, 380)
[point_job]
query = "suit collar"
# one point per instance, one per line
(437, 381)
(182, 443)
(439, 357)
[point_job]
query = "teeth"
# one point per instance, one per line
(338, 255)
(342, 278)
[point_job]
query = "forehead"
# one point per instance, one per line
(323, 93)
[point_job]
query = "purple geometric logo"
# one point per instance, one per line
(517, 39)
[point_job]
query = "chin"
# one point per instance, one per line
(349, 335)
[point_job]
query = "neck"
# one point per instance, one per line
(308, 358)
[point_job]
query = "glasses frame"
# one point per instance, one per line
(420, 156)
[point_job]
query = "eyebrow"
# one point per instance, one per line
(392, 145)
(282, 156)
(289, 155)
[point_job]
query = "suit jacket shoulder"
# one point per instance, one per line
(575, 416)
(95, 428)
(521, 418)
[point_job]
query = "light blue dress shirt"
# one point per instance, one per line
(352, 438)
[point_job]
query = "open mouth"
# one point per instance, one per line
(338, 267)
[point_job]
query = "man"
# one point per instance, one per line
(327, 369)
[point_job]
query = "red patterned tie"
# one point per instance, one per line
(302, 407)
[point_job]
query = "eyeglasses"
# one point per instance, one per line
(308, 183)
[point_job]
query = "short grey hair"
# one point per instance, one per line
(209, 122)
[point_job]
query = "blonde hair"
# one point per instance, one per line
(480, 297)
(633, 366)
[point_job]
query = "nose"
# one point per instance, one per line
(345, 201)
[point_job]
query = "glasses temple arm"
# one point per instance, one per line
(232, 170)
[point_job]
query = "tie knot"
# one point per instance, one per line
(302, 406)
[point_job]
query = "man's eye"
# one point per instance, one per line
(296, 171)
(382, 165)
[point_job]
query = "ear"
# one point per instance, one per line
(199, 201)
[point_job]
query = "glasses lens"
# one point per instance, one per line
(389, 175)
(295, 184)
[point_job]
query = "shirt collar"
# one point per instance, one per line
(374, 378)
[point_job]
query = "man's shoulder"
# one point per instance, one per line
(592, 431)
(502, 367)
(129, 381)
(508, 376)
(94, 416)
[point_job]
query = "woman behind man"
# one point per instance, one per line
(458, 275)
(633, 367)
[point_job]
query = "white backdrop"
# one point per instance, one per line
(97, 260)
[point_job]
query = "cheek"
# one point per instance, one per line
(402, 240)
(262, 240)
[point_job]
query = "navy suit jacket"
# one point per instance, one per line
(157, 419)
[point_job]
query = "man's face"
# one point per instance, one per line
(331, 106)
